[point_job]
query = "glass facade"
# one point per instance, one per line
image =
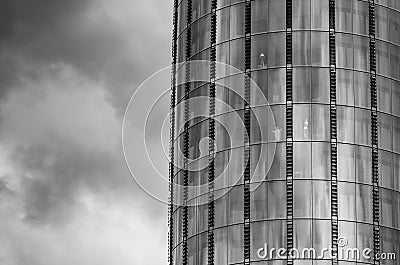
(332, 81)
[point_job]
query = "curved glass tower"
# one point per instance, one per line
(326, 173)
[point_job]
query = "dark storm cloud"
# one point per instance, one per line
(89, 35)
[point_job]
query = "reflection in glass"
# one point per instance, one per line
(345, 92)
(346, 163)
(322, 239)
(301, 14)
(361, 53)
(385, 169)
(344, 16)
(362, 94)
(384, 94)
(302, 234)
(363, 157)
(364, 203)
(301, 122)
(321, 199)
(345, 116)
(362, 120)
(320, 122)
(361, 19)
(301, 48)
(320, 14)
(320, 85)
(344, 50)
(385, 131)
(302, 160)
(321, 160)
(301, 84)
(302, 198)
(235, 207)
(259, 16)
(221, 247)
(382, 58)
(347, 201)
(276, 49)
(319, 48)
(277, 15)
(235, 244)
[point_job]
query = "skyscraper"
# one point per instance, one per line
(326, 173)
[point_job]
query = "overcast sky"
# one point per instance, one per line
(67, 70)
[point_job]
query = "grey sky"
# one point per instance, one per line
(67, 70)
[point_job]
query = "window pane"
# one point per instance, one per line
(321, 199)
(384, 94)
(345, 90)
(386, 200)
(301, 122)
(302, 198)
(276, 49)
(362, 91)
(223, 25)
(360, 11)
(320, 85)
(301, 48)
(302, 234)
(364, 203)
(344, 17)
(237, 21)
(347, 201)
(385, 169)
(301, 14)
(320, 122)
(259, 10)
(394, 61)
(396, 98)
(382, 26)
(363, 164)
(276, 86)
(278, 167)
(361, 53)
(278, 133)
(385, 131)
(276, 206)
(396, 134)
(302, 160)
(394, 26)
(344, 50)
(320, 14)
(362, 120)
(364, 239)
(345, 117)
(301, 84)
(259, 51)
(259, 201)
(237, 54)
(320, 46)
(346, 166)
(382, 58)
(321, 160)
(235, 207)
(235, 244)
(221, 246)
(277, 15)
(200, 7)
(322, 238)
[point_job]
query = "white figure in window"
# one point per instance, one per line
(262, 60)
(305, 129)
(277, 133)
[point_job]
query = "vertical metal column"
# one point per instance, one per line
(374, 134)
(247, 125)
(289, 129)
(333, 125)
(211, 149)
(172, 135)
(186, 136)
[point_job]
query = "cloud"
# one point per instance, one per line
(119, 43)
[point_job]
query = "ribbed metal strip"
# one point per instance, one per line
(211, 149)
(289, 129)
(247, 128)
(333, 128)
(185, 213)
(374, 131)
(172, 136)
